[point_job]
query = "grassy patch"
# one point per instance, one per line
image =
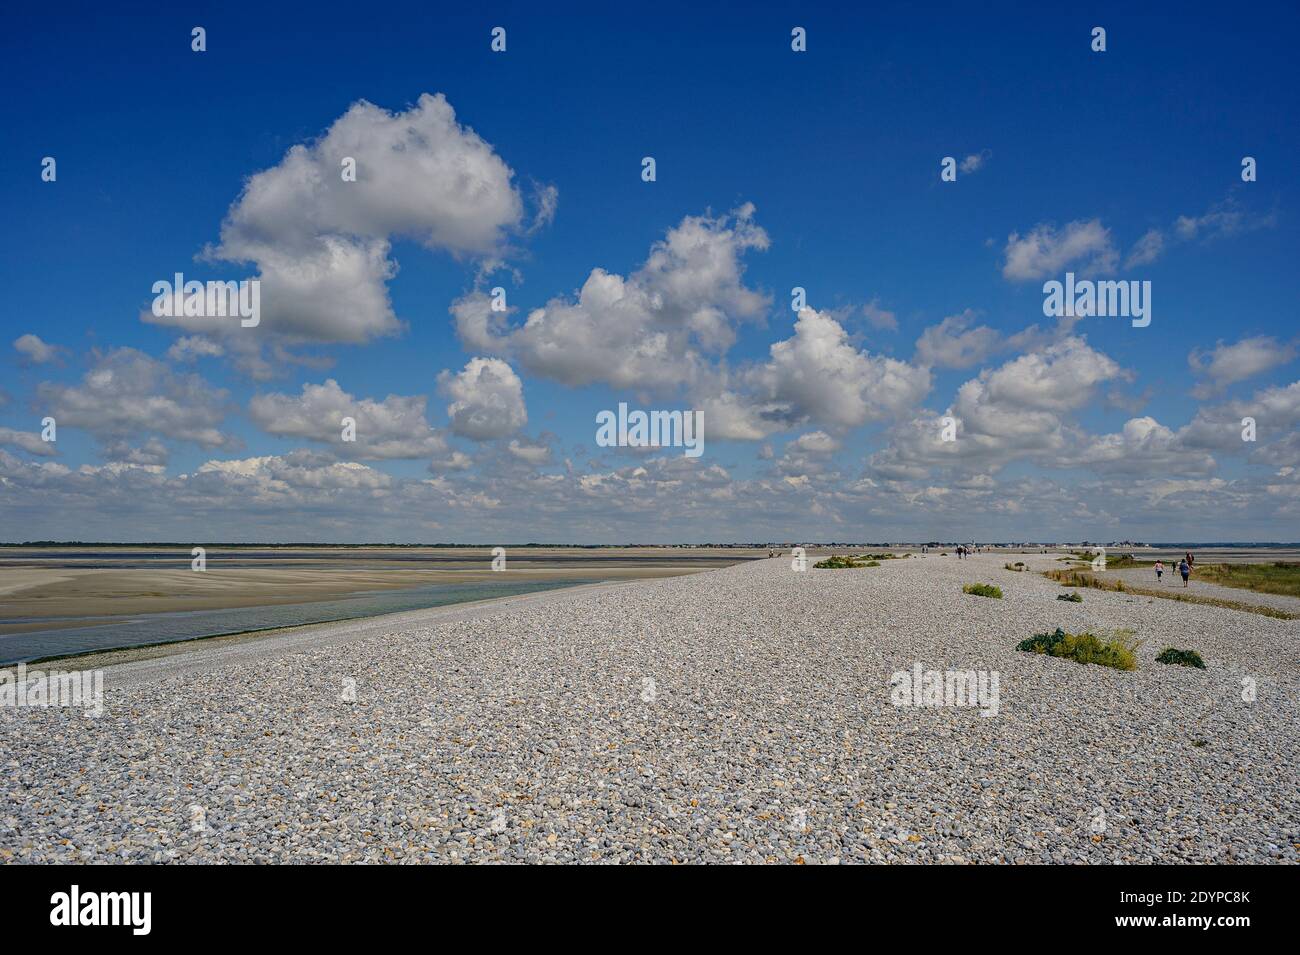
(1113, 561)
(1126, 560)
(841, 561)
(1018, 565)
(1071, 598)
(1280, 577)
(837, 562)
(1117, 652)
(983, 590)
(1183, 658)
(1077, 578)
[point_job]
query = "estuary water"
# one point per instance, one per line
(146, 629)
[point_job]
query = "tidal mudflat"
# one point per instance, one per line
(60, 600)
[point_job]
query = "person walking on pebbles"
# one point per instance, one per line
(1160, 570)
(1185, 569)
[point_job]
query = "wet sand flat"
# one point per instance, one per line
(99, 593)
(39, 591)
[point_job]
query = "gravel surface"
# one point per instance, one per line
(739, 715)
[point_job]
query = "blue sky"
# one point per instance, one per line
(817, 169)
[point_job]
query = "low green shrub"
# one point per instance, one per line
(1118, 652)
(839, 562)
(1070, 598)
(983, 590)
(1183, 658)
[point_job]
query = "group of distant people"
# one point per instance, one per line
(1184, 567)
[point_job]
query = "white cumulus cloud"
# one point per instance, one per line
(487, 399)
(1047, 250)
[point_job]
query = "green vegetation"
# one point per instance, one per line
(1113, 561)
(1280, 577)
(1117, 652)
(1122, 561)
(841, 561)
(1078, 578)
(837, 562)
(983, 590)
(1018, 565)
(1071, 598)
(1183, 658)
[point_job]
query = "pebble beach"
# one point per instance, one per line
(739, 715)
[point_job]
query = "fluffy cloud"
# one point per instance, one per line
(191, 347)
(668, 325)
(1276, 412)
(535, 453)
(126, 393)
(1282, 453)
(730, 415)
(1226, 365)
(29, 441)
(322, 245)
(814, 442)
(455, 461)
(283, 476)
(487, 399)
(395, 427)
(1014, 411)
(35, 351)
(1144, 447)
(312, 496)
(953, 343)
(1046, 250)
(818, 375)
(651, 329)
(1059, 378)
(153, 453)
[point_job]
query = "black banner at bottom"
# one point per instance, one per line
(335, 904)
